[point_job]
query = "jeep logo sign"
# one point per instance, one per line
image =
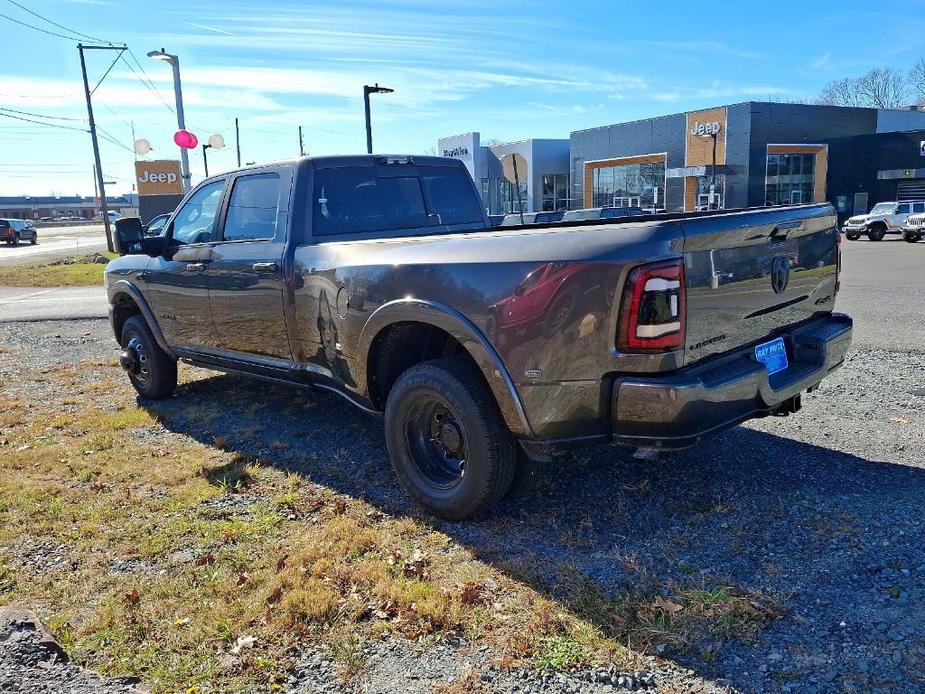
(158, 177)
(703, 129)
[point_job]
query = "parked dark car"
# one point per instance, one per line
(15, 230)
(601, 213)
(514, 218)
(379, 278)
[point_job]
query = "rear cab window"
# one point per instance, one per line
(379, 200)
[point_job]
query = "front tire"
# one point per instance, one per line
(34, 240)
(876, 233)
(447, 439)
(912, 237)
(852, 237)
(152, 372)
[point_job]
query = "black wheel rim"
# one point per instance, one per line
(437, 441)
(139, 371)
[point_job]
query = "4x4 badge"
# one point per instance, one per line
(780, 274)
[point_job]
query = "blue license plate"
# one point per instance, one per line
(773, 355)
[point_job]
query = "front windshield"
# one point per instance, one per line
(883, 208)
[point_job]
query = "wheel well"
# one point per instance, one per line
(878, 225)
(124, 308)
(398, 347)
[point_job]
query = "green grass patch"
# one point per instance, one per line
(78, 274)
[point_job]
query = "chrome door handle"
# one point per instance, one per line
(195, 267)
(265, 267)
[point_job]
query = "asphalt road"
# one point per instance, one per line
(64, 303)
(881, 285)
(55, 242)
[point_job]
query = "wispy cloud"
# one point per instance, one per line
(204, 27)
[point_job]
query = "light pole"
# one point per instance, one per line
(367, 90)
(174, 62)
(216, 141)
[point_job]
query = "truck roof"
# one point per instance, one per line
(331, 161)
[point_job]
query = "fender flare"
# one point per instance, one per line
(126, 287)
(469, 336)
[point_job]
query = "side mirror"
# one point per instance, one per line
(128, 236)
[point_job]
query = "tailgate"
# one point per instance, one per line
(750, 273)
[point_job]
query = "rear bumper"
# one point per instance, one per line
(679, 409)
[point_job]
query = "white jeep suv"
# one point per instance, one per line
(884, 218)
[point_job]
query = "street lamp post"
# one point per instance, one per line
(216, 141)
(174, 62)
(367, 90)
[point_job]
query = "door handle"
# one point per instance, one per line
(195, 267)
(265, 267)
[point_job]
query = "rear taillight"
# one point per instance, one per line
(652, 314)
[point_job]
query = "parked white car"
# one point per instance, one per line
(884, 218)
(914, 228)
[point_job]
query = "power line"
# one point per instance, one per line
(41, 115)
(60, 26)
(38, 122)
(108, 70)
(32, 26)
(111, 138)
(150, 86)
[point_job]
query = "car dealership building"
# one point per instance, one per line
(543, 186)
(739, 155)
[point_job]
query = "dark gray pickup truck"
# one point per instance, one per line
(378, 278)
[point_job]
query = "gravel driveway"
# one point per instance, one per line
(822, 510)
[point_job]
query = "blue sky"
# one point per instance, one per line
(510, 70)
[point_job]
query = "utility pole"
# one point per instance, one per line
(301, 143)
(237, 141)
(100, 186)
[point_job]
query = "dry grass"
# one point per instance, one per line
(78, 274)
(189, 565)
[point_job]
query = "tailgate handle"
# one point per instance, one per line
(195, 267)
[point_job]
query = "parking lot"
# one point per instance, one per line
(817, 518)
(55, 242)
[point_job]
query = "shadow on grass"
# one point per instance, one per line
(779, 551)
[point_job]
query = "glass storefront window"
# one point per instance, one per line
(555, 192)
(791, 179)
(629, 185)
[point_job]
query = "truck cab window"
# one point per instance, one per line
(449, 191)
(345, 201)
(252, 208)
(403, 201)
(195, 221)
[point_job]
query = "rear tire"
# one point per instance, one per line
(876, 233)
(447, 439)
(16, 240)
(912, 237)
(34, 240)
(152, 372)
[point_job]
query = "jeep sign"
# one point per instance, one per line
(158, 177)
(704, 129)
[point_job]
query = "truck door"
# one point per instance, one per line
(176, 283)
(246, 272)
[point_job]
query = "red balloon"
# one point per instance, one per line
(185, 139)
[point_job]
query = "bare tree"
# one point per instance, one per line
(917, 81)
(882, 87)
(842, 92)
